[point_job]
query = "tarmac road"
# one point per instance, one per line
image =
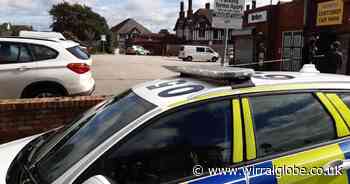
(116, 73)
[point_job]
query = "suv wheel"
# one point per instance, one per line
(45, 93)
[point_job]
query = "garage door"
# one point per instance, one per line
(244, 50)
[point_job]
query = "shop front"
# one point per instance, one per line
(331, 23)
(253, 44)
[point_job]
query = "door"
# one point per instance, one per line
(292, 138)
(178, 146)
(209, 54)
(341, 100)
(16, 68)
(292, 50)
(200, 54)
(244, 50)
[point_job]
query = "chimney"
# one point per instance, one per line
(253, 4)
(190, 11)
(182, 10)
(207, 6)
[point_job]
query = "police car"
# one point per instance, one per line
(175, 130)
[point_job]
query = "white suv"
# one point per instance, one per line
(31, 68)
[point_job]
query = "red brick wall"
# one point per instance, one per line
(290, 18)
(25, 117)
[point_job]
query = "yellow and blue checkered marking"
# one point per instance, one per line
(261, 177)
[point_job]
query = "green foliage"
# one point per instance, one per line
(80, 21)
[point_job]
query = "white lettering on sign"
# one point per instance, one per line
(257, 17)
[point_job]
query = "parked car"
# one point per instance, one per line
(130, 51)
(198, 53)
(32, 67)
(147, 52)
(174, 130)
(137, 50)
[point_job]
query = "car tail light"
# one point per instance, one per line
(79, 68)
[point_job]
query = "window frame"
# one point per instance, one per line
(295, 151)
(342, 107)
(209, 50)
(198, 48)
(29, 45)
(19, 45)
(165, 113)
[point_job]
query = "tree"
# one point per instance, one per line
(79, 20)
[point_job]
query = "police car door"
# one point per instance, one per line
(181, 145)
(291, 139)
(233, 172)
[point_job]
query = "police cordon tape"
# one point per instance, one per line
(264, 62)
(199, 170)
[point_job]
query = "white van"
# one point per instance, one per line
(42, 35)
(198, 53)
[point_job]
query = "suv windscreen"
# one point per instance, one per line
(78, 52)
(87, 133)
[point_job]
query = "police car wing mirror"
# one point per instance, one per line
(99, 179)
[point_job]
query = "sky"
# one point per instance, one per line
(153, 14)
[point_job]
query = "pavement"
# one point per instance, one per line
(116, 73)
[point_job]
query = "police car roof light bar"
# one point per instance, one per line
(217, 74)
(214, 72)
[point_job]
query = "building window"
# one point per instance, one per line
(201, 32)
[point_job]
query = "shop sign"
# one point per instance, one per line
(330, 13)
(228, 14)
(257, 17)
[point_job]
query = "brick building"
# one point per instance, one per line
(330, 21)
(157, 43)
(196, 28)
(126, 31)
(286, 28)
